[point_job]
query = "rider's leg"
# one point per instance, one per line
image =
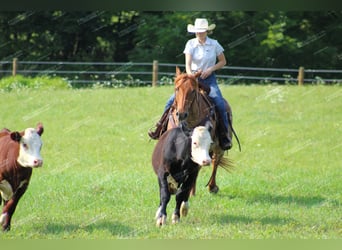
(160, 124)
(216, 95)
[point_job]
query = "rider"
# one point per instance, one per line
(201, 53)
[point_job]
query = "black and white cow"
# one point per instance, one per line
(176, 159)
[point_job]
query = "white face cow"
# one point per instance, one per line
(30, 146)
(201, 141)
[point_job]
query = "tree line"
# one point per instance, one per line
(289, 39)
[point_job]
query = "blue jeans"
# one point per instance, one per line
(215, 95)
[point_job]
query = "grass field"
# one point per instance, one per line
(97, 181)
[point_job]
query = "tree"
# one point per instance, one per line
(71, 36)
(261, 38)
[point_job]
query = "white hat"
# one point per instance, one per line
(201, 25)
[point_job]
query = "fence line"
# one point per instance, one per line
(153, 73)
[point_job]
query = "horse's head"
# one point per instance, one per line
(186, 89)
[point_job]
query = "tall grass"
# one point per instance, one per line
(19, 82)
(97, 181)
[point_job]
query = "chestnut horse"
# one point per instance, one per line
(193, 105)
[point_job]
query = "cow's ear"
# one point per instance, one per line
(40, 128)
(209, 126)
(16, 136)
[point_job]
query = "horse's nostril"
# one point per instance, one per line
(182, 116)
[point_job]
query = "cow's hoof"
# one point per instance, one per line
(214, 189)
(161, 221)
(175, 219)
(184, 209)
(3, 219)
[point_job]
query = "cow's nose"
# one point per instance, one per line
(206, 162)
(37, 162)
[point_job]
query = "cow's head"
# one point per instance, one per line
(200, 145)
(30, 145)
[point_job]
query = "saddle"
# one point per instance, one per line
(221, 132)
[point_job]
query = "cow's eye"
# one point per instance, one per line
(195, 144)
(25, 146)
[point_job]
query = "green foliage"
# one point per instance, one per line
(268, 39)
(19, 82)
(61, 35)
(97, 181)
(127, 81)
(261, 38)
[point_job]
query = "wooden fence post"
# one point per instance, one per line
(155, 73)
(301, 76)
(14, 66)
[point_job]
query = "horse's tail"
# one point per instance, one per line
(226, 164)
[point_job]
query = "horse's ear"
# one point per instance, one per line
(178, 72)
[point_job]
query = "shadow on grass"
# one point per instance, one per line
(270, 199)
(304, 201)
(268, 220)
(115, 229)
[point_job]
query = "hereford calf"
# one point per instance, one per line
(19, 153)
(176, 160)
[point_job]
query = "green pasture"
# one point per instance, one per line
(97, 181)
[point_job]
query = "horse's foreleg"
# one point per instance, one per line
(213, 188)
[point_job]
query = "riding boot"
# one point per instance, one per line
(225, 141)
(225, 135)
(161, 126)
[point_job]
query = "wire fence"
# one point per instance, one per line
(81, 74)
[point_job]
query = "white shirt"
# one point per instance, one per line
(203, 56)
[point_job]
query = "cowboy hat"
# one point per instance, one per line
(201, 25)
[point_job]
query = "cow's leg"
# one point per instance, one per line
(9, 208)
(182, 198)
(164, 200)
(193, 188)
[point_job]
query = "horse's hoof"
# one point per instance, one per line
(175, 219)
(214, 190)
(161, 221)
(184, 209)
